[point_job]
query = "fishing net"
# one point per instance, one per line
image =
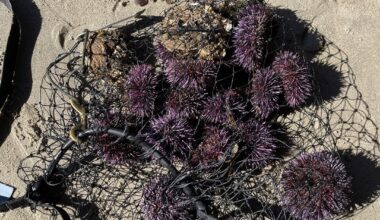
(181, 84)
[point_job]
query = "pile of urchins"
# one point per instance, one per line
(215, 95)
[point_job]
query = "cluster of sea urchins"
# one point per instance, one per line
(185, 108)
(288, 76)
(194, 117)
(315, 186)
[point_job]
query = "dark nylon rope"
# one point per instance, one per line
(74, 101)
(26, 201)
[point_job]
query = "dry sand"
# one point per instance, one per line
(50, 25)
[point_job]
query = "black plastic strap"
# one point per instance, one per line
(40, 185)
(14, 204)
(62, 212)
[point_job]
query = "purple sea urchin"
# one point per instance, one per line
(160, 201)
(295, 77)
(249, 39)
(187, 103)
(224, 108)
(113, 151)
(315, 186)
(190, 74)
(163, 53)
(141, 91)
(258, 142)
(265, 90)
(173, 133)
(108, 119)
(213, 147)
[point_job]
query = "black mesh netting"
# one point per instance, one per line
(182, 84)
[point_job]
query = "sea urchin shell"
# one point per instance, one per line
(315, 186)
(295, 77)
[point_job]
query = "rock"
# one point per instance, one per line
(109, 54)
(191, 30)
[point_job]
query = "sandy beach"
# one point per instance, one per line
(49, 27)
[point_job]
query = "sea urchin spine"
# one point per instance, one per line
(295, 77)
(265, 92)
(213, 148)
(141, 91)
(160, 201)
(224, 108)
(260, 145)
(187, 103)
(162, 53)
(190, 74)
(249, 36)
(111, 149)
(174, 134)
